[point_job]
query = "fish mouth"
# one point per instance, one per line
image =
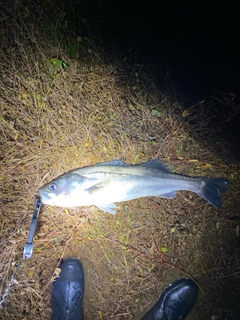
(45, 197)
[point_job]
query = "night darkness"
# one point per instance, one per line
(197, 42)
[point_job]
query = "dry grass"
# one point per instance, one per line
(54, 119)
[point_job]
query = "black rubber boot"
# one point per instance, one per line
(67, 291)
(175, 302)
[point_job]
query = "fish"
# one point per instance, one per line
(104, 184)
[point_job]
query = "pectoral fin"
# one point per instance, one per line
(108, 207)
(98, 186)
(169, 195)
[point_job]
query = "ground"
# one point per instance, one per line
(61, 111)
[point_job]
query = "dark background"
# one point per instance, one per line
(194, 43)
(197, 42)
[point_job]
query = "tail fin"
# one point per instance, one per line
(211, 188)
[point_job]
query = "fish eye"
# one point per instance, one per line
(52, 186)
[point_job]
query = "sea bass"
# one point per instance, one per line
(106, 183)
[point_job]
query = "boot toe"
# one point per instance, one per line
(175, 302)
(67, 291)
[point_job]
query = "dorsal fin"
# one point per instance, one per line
(157, 164)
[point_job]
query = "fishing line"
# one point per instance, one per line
(27, 251)
(12, 281)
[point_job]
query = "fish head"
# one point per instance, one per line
(62, 191)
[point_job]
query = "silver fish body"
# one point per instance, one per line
(106, 183)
